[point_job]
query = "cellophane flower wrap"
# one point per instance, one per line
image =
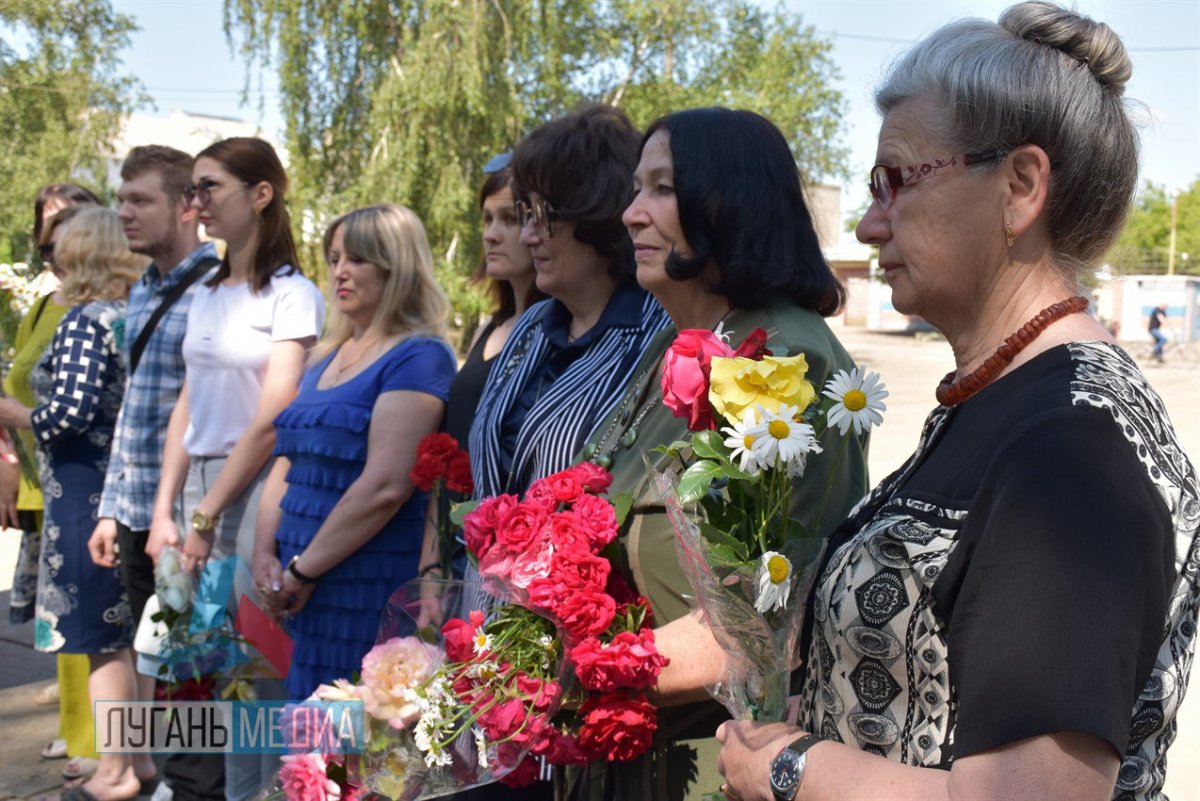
(555, 674)
(756, 420)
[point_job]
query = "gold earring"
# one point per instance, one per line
(1009, 236)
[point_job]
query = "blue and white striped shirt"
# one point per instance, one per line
(150, 396)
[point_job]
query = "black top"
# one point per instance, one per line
(1024, 573)
(467, 388)
(1157, 318)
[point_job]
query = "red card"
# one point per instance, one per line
(262, 632)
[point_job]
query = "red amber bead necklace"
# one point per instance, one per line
(951, 392)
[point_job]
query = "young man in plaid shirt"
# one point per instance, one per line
(159, 222)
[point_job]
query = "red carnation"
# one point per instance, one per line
(617, 727)
(458, 474)
(459, 636)
(754, 346)
(424, 474)
(630, 660)
(433, 458)
(560, 749)
(523, 774)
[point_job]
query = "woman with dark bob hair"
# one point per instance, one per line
(1011, 614)
(566, 362)
(723, 239)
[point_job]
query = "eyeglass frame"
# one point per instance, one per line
(543, 214)
(46, 251)
(203, 190)
(896, 179)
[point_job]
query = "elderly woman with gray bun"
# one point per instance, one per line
(1012, 614)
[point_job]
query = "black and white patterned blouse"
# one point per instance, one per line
(1031, 569)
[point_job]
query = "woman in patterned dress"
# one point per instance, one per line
(1012, 614)
(81, 607)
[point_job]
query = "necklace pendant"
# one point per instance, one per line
(630, 437)
(604, 461)
(589, 451)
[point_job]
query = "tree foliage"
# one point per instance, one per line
(1144, 245)
(62, 99)
(405, 100)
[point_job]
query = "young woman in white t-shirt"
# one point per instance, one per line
(248, 333)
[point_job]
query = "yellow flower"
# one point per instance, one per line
(739, 384)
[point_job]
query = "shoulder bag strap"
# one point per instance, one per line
(198, 271)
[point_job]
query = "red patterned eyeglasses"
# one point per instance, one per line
(886, 181)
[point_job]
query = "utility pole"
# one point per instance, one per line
(1171, 246)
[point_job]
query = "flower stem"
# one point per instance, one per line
(815, 528)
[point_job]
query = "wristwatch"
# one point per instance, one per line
(303, 578)
(787, 769)
(202, 522)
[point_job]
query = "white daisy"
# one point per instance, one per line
(778, 436)
(483, 642)
(859, 397)
(774, 582)
(742, 442)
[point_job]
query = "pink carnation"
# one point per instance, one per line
(479, 525)
(389, 670)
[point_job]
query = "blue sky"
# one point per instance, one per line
(182, 57)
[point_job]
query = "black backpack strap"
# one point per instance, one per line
(198, 271)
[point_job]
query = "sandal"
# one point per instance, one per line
(79, 768)
(55, 749)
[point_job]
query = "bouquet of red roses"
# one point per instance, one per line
(556, 672)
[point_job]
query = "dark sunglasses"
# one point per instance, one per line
(203, 190)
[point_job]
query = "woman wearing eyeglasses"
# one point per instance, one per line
(249, 330)
(1012, 614)
(567, 359)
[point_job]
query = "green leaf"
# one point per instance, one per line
(710, 445)
(460, 510)
(695, 481)
(726, 542)
(622, 502)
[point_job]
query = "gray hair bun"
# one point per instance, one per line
(1092, 43)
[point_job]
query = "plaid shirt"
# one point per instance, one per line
(151, 394)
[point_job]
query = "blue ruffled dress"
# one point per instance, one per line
(323, 432)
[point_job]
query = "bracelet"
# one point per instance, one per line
(300, 577)
(423, 572)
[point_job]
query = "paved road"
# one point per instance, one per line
(911, 368)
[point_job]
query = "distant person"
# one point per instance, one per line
(161, 224)
(1158, 318)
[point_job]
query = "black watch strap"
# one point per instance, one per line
(804, 743)
(300, 577)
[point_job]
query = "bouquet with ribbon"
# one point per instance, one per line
(756, 421)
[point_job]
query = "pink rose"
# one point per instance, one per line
(586, 613)
(534, 562)
(541, 495)
(303, 778)
(565, 485)
(597, 519)
(520, 526)
(686, 368)
(389, 670)
(479, 525)
(592, 477)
